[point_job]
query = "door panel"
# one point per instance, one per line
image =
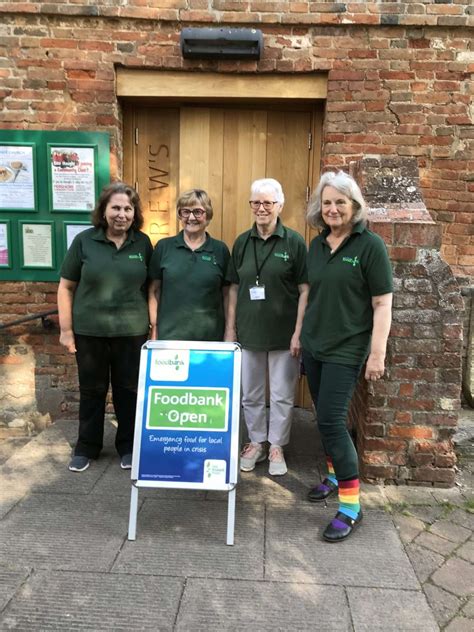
(244, 161)
(152, 166)
(201, 157)
(288, 162)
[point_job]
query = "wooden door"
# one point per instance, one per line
(221, 150)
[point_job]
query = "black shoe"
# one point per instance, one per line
(126, 462)
(317, 494)
(79, 463)
(333, 534)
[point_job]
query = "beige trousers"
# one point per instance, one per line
(283, 375)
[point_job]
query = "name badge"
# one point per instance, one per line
(257, 292)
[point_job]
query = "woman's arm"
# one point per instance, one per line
(154, 290)
(230, 334)
(382, 306)
(66, 292)
(295, 346)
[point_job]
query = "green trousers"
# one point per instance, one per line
(332, 386)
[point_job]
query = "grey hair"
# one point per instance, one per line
(268, 183)
(346, 185)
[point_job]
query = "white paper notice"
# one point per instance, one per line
(17, 187)
(37, 246)
(3, 245)
(73, 178)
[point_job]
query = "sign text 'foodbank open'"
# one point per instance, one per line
(181, 408)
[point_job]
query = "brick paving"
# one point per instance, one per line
(66, 563)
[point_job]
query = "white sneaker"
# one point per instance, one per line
(277, 465)
(251, 454)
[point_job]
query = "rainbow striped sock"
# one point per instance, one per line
(331, 473)
(349, 498)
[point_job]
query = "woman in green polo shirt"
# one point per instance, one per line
(267, 299)
(188, 287)
(347, 322)
(103, 316)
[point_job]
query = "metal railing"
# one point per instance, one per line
(47, 324)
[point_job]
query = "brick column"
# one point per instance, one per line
(405, 422)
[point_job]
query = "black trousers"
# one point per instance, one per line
(332, 386)
(101, 361)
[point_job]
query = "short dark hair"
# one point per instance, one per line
(97, 217)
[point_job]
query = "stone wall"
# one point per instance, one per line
(405, 422)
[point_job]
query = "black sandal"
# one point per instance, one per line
(317, 495)
(337, 534)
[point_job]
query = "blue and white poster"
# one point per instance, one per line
(187, 422)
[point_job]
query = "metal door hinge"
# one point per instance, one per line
(308, 191)
(310, 140)
(136, 136)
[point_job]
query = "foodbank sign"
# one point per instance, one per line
(188, 408)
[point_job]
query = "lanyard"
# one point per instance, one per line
(257, 267)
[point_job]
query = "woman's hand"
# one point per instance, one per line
(66, 339)
(375, 367)
(153, 334)
(295, 346)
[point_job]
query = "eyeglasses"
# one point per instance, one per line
(267, 205)
(186, 212)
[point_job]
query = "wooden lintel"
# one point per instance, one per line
(199, 85)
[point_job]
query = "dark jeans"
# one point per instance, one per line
(101, 361)
(332, 386)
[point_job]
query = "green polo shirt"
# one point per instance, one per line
(268, 325)
(110, 298)
(191, 301)
(338, 321)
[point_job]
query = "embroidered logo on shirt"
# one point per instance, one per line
(354, 261)
(208, 258)
(138, 256)
(282, 255)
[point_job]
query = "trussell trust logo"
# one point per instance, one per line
(354, 261)
(169, 365)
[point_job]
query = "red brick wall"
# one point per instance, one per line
(398, 85)
(398, 77)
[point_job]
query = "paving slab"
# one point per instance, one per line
(408, 527)
(62, 531)
(424, 561)
(459, 624)
(408, 495)
(93, 601)
(435, 543)
(454, 495)
(209, 605)
(450, 531)
(444, 604)
(463, 518)
(468, 610)
(466, 551)
(187, 538)
(457, 576)
(427, 514)
(390, 610)
(10, 581)
(295, 551)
